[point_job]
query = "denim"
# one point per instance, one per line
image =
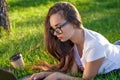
(117, 42)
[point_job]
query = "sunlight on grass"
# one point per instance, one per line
(27, 25)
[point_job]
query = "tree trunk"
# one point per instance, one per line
(4, 20)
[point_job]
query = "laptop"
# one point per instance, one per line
(6, 75)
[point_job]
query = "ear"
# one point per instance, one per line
(74, 26)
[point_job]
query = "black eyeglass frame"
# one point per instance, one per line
(58, 30)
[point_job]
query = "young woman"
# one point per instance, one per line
(75, 47)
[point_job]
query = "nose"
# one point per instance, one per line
(55, 34)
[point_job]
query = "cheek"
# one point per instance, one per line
(67, 33)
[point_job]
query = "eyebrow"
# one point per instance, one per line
(57, 24)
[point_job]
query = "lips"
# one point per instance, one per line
(59, 37)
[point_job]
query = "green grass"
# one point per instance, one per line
(27, 24)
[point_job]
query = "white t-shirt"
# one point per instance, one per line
(95, 47)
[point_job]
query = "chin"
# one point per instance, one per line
(62, 40)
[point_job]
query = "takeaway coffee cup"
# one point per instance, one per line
(17, 61)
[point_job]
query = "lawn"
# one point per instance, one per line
(27, 25)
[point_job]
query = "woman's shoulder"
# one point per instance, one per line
(93, 38)
(90, 34)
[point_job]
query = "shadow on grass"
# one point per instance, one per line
(31, 20)
(97, 6)
(28, 3)
(87, 7)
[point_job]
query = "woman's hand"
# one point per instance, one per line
(40, 75)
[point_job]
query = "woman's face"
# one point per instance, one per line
(67, 29)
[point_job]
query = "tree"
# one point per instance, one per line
(4, 20)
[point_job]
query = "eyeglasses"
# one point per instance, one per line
(58, 30)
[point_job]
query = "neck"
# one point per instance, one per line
(78, 37)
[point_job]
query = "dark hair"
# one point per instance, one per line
(54, 46)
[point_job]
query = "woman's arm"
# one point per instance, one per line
(60, 76)
(91, 69)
